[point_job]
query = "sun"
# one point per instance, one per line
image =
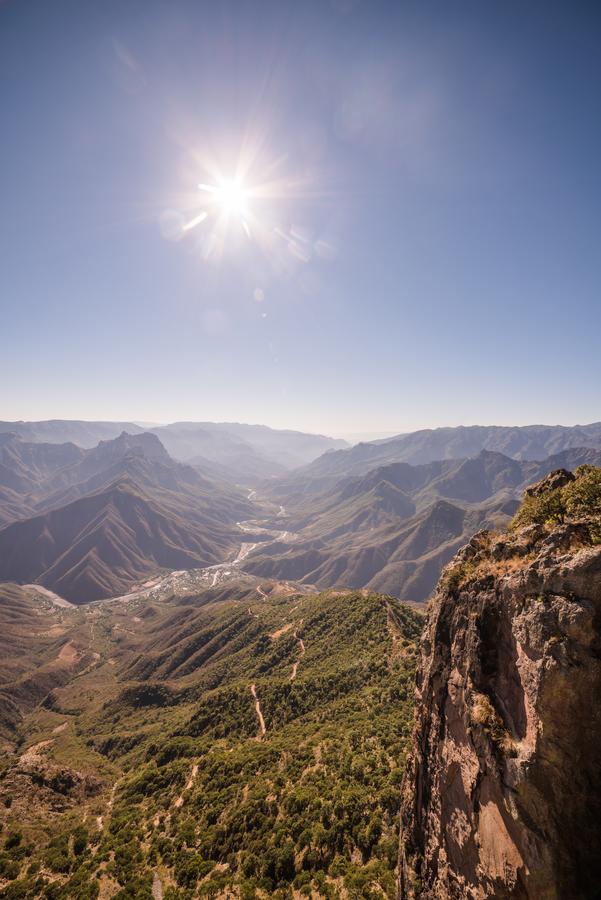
(230, 196)
(240, 208)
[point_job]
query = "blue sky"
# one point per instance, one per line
(426, 251)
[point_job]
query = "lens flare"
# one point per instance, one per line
(246, 209)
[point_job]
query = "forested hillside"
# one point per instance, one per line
(253, 745)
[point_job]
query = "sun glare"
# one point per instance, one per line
(247, 204)
(230, 196)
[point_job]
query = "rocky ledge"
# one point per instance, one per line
(502, 792)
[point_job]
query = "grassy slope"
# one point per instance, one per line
(164, 737)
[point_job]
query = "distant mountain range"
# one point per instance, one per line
(89, 521)
(519, 442)
(228, 450)
(394, 527)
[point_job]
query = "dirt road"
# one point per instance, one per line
(301, 645)
(253, 690)
(109, 807)
(193, 773)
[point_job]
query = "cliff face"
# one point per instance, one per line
(502, 794)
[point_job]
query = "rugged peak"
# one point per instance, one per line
(143, 444)
(551, 482)
(504, 776)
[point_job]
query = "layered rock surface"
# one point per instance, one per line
(502, 794)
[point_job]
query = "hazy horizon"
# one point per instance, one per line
(342, 217)
(352, 436)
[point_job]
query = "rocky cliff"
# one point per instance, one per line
(502, 793)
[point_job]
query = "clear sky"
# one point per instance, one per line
(418, 243)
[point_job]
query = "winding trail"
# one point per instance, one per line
(301, 645)
(109, 807)
(245, 549)
(253, 690)
(179, 802)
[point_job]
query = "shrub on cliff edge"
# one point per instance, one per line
(563, 496)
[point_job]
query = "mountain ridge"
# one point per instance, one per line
(429, 445)
(370, 530)
(101, 543)
(136, 511)
(240, 450)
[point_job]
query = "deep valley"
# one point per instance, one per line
(207, 686)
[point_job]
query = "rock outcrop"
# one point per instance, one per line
(502, 792)
(35, 781)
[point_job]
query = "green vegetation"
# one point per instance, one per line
(578, 498)
(205, 801)
(483, 713)
(560, 498)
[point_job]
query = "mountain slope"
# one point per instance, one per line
(529, 442)
(38, 471)
(241, 453)
(250, 746)
(394, 528)
(23, 465)
(98, 545)
(143, 459)
(35, 653)
(92, 522)
(62, 431)
(402, 557)
(220, 441)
